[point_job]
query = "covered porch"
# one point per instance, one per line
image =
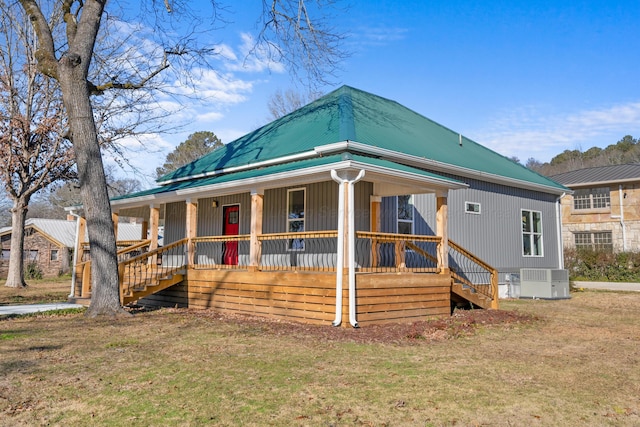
(310, 248)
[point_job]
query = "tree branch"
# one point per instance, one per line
(45, 54)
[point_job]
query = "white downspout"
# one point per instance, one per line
(351, 249)
(340, 252)
(352, 252)
(621, 218)
(559, 225)
(75, 255)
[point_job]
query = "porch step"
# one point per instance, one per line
(470, 295)
(162, 284)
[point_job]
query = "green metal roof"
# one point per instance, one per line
(291, 167)
(349, 114)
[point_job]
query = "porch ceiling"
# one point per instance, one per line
(389, 178)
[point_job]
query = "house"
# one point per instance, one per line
(50, 243)
(604, 210)
(351, 210)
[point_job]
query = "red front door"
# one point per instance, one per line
(230, 227)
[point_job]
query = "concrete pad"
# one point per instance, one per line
(35, 308)
(609, 286)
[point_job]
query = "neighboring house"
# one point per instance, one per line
(50, 243)
(351, 191)
(604, 210)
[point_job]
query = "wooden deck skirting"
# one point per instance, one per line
(310, 297)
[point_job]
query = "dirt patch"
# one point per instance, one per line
(461, 323)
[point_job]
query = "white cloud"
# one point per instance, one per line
(255, 58)
(378, 35)
(534, 132)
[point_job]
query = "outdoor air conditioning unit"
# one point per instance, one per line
(545, 283)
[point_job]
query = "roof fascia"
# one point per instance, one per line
(278, 160)
(283, 178)
(608, 182)
(421, 162)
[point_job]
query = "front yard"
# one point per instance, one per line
(570, 362)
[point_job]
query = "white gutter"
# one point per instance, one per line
(417, 161)
(351, 248)
(178, 195)
(340, 252)
(270, 162)
(559, 227)
(621, 218)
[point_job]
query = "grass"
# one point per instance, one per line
(576, 365)
(38, 291)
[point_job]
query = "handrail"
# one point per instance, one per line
(232, 238)
(493, 275)
(299, 235)
(140, 244)
(392, 237)
(157, 251)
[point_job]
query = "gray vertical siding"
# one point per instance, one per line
(175, 225)
(495, 235)
(210, 218)
(321, 207)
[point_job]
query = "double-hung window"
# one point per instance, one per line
(531, 233)
(405, 214)
(295, 217)
(592, 198)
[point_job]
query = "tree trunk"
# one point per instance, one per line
(15, 277)
(105, 288)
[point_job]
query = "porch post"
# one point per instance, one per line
(255, 249)
(77, 272)
(191, 230)
(114, 218)
(442, 231)
(154, 221)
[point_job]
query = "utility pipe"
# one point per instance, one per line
(350, 228)
(621, 218)
(559, 231)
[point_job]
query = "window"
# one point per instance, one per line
(6, 253)
(30, 255)
(405, 214)
(295, 217)
(472, 208)
(54, 255)
(600, 240)
(592, 198)
(531, 233)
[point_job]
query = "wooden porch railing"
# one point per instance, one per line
(305, 251)
(473, 272)
(390, 252)
(128, 249)
(221, 252)
(146, 269)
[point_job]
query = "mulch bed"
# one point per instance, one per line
(461, 323)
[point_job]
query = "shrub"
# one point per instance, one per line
(602, 265)
(32, 271)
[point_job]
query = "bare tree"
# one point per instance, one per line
(289, 33)
(33, 151)
(282, 103)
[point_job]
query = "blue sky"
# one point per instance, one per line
(524, 78)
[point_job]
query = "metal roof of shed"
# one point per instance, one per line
(600, 175)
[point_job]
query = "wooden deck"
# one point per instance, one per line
(301, 286)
